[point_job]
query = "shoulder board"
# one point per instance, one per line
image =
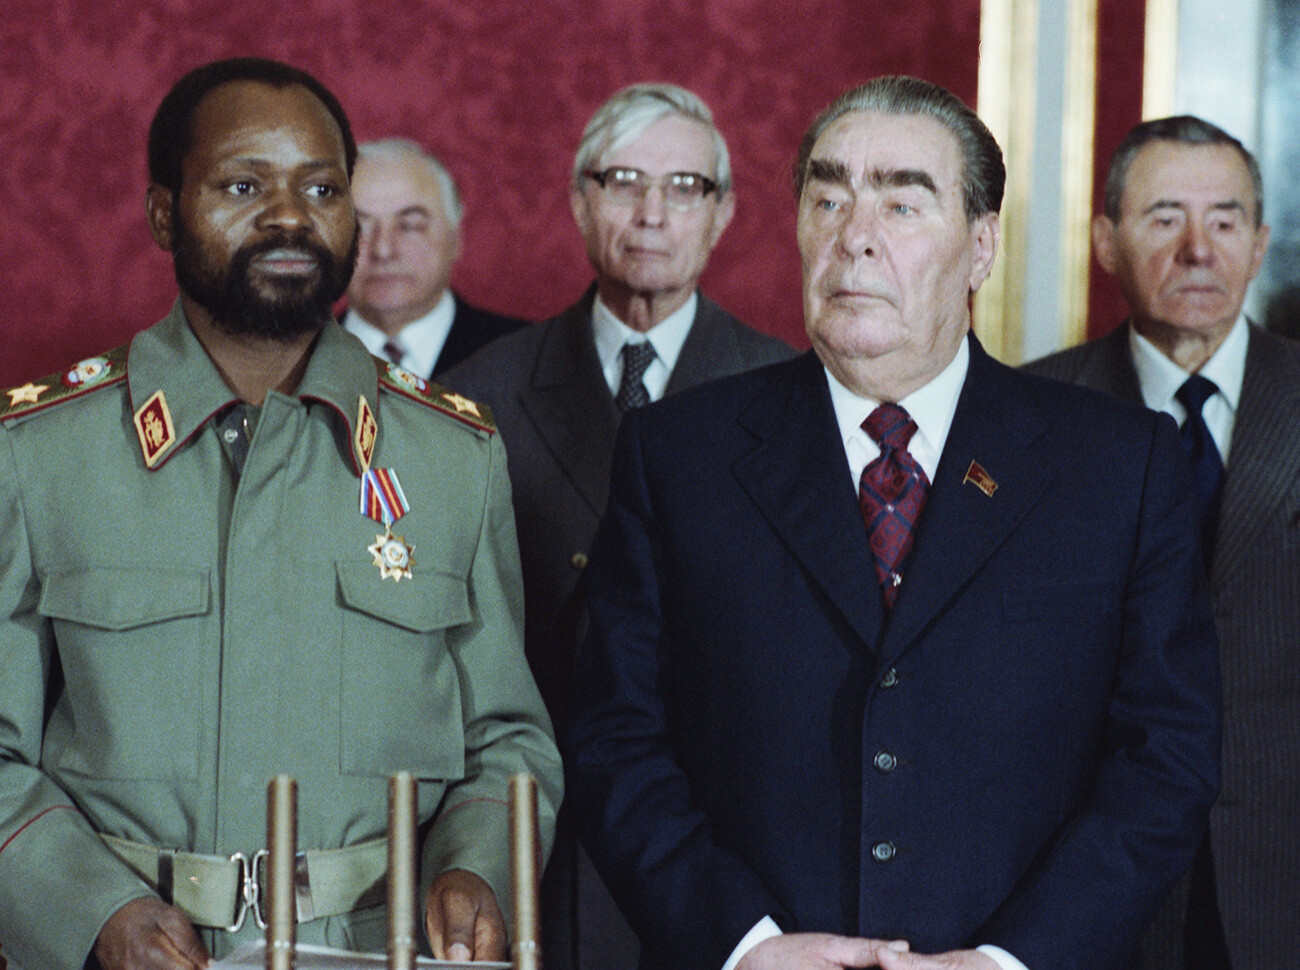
(403, 382)
(82, 378)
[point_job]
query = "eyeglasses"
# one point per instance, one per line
(682, 191)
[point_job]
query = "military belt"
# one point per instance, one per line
(220, 891)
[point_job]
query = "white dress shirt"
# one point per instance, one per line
(667, 337)
(932, 408)
(421, 340)
(1160, 378)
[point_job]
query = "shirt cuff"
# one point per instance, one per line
(765, 929)
(1002, 958)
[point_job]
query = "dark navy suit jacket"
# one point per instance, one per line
(1023, 755)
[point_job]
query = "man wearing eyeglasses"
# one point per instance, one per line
(651, 193)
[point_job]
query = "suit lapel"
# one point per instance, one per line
(570, 407)
(459, 340)
(710, 349)
(569, 402)
(1109, 367)
(961, 526)
(798, 477)
(1265, 458)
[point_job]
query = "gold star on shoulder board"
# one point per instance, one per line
(29, 393)
(463, 405)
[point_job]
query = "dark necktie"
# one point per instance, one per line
(394, 351)
(1203, 941)
(892, 494)
(1207, 466)
(631, 390)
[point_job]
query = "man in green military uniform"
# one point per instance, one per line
(240, 547)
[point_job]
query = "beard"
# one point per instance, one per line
(245, 303)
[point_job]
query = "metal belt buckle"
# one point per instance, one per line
(253, 887)
(250, 894)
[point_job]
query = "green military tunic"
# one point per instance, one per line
(173, 636)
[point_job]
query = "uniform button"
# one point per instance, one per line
(882, 851)
(885, 761)
(890, 679)
(578, 560)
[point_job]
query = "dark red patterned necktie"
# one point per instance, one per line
(892, 493)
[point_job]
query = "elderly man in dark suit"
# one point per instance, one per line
(651, 193)
(1183, 233)
(400, 302)
(899, 657)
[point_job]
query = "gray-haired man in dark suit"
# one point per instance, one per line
(1183, 233)
(651, 193)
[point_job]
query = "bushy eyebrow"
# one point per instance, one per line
(901, 177)
(836, 172)
(830, 171)
(1232, 205)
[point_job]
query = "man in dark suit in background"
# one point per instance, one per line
(400, 302)
(1183, 233)
(651, 193)
(982, 723)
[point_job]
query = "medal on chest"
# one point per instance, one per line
(382, 500)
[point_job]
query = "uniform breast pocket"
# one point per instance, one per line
(129, 644)
(401, 704)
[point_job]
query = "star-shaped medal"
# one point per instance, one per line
(393, 556)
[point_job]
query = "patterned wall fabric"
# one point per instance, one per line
(500, 90)
(1120, 26)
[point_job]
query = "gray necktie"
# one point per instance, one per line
(631, 390)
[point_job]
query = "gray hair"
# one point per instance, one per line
(627, 115)
(1185, 130)
(406, 148)
(983, 174)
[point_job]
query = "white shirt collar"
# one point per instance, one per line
(932, 407)
(422, 339)
(667, 338)
(1159, 377)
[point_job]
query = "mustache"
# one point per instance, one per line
(281, 239)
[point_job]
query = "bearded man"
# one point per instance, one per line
(255, 570)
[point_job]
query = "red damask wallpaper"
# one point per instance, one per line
(500, 90)
(1120, 27)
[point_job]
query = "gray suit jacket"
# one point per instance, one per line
(557, 419)
(1255, 579)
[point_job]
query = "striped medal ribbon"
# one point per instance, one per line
(383, 500)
